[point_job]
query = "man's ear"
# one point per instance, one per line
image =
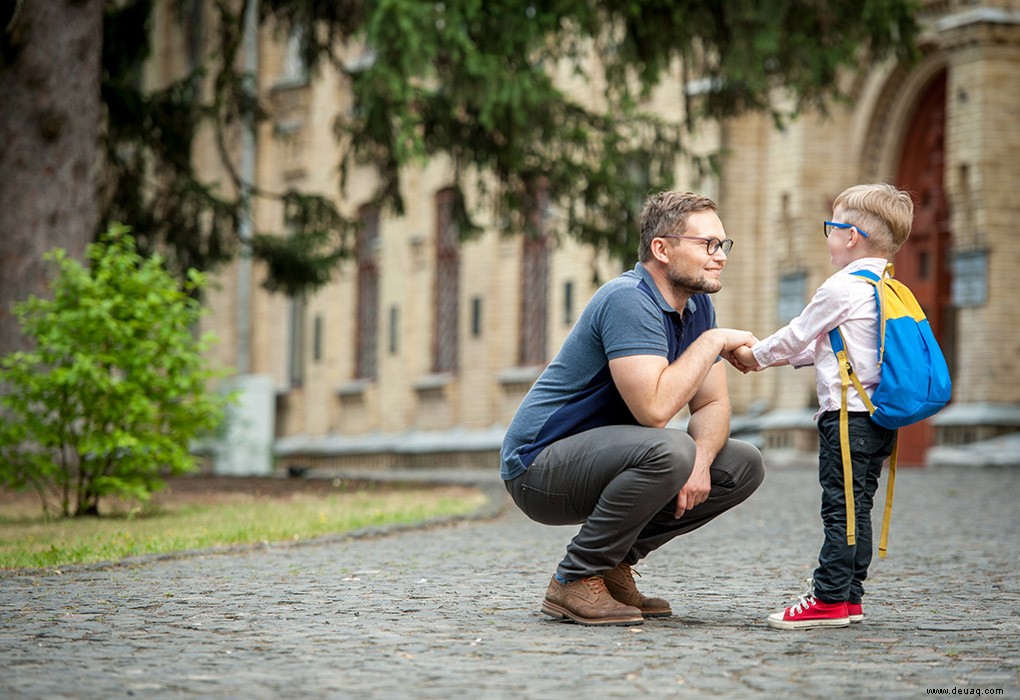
(659, 250)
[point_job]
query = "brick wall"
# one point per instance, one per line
(776, 188)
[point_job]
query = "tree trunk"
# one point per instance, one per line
(50, 58)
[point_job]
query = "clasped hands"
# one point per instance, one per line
(737, 350)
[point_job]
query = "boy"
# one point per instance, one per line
(869, 224)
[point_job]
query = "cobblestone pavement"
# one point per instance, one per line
(452, 611)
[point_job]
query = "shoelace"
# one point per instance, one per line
(805, 602)
(628, 572)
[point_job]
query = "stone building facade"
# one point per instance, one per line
(420, 349)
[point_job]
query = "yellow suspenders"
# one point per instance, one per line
(847, 376)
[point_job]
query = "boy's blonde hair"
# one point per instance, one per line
(884, 212)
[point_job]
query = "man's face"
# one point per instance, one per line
(691, 269)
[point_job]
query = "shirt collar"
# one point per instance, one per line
(876, 265)
(691, 306)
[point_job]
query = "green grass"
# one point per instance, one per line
(27, 540)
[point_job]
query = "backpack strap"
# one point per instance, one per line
(847, 376)
(883, 540)
(846, 371)
(880, 291)
(876, 282)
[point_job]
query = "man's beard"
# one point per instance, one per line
(684, 285)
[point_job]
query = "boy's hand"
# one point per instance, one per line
(743, 359)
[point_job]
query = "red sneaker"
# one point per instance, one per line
(810, 613)
(855, 612)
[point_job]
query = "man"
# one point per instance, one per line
(589, 445)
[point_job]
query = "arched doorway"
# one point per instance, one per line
(923, 262)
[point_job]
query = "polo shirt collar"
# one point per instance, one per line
(690, 308)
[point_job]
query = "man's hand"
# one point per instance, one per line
(731, 339)
(695, 491)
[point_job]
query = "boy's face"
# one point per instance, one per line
(843, 242)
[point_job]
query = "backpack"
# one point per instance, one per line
(914, 383)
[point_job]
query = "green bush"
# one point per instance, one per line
(116, 387)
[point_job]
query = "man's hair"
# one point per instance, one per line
(882, 211)
(667, 212)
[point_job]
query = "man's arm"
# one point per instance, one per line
(709, 426)
(655, 390)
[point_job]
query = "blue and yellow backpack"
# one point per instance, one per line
(914, 382)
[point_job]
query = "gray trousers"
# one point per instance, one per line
(620, 482)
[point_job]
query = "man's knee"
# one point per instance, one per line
(748, 465)
(738, 470)
(673, 455)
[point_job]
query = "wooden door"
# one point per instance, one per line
(923, 262)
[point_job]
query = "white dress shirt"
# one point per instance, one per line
(843, 300)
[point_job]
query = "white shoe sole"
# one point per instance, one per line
(781, 624)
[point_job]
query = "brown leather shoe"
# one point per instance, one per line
(620, 584)
(586, 601)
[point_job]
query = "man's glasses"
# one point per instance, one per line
(712, 244)
(829, 226)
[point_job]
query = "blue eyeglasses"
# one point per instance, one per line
(828, 226)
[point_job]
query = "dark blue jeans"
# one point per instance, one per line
(842, 568)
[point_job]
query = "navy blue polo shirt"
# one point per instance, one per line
(626, 316)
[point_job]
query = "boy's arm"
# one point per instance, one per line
(804, 358)
(796, 342)
(746, 362)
